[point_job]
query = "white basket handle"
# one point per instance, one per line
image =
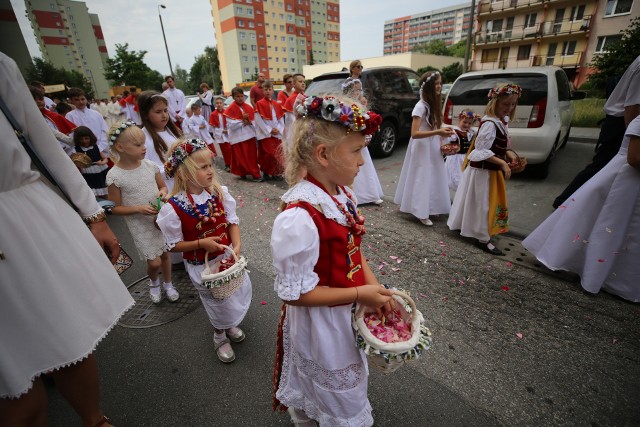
(399, 293)
(226, 249)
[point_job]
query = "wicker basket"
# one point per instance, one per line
(449, 149)
(388, 357)
(223, 284)
(519, 165)
(81, 160)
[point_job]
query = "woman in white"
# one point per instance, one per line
(54, 312)
(595, 231)
(422, 189)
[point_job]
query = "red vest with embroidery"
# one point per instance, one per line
(340, 262)
(499, 148)
(194, 229)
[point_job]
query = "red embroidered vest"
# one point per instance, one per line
(190, 231)
(340, 261)
(499, 148)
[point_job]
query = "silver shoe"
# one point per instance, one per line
(224, 351)
(235, 334)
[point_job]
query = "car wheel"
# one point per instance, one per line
(565, 140)
(385, 140)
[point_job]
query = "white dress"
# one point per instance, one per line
(422, 189)
(323, 372)
(59, 294)
(138, 187)
(470, 210)
(453, 163)
(224, 313)
(367, 185)
(595, 233)
(152, 155)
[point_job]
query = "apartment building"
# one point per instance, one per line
(71, 38)
(564, 33)
(449, 24)
(12, 41)
(274, 37)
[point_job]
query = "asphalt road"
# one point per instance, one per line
(512, 345)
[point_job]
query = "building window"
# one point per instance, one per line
(243, 47)
(605, 42)
(618, 7)
(250, 12)
(239, 10)
(246, 70)
(250, 24)
(240, 23)
(530, 20)
(242, 34)
(577, 13)
(569, 48)
(253, 47)
(490, 55)
(245, 58)
(524, 52)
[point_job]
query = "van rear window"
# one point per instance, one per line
(320, 87)
(474, 90)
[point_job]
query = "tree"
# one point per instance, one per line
(206, 68)
(311, 60)
(451, 72)
(45, 72)
(181, 77)
(423, 70)
(434, 47)
(618, 57)
(128, 68)
(458, 49)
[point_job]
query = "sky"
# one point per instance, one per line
(188, 25)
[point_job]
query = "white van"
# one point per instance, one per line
(543, 116)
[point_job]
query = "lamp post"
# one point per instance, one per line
(164, 37)
(467, 51)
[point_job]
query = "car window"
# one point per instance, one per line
(320, 87)
(395, 82)
(413, 80)
(473, 90)
(564, 90)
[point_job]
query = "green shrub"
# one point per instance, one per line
(588, 112)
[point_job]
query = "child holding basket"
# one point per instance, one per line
(200, 217)
(320, 268)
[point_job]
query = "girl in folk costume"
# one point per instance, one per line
(422, 189)
(199, 217)
(366, 185)
(159, 130)
(595, 231)
(218, 123)
(269, 128)
(480, 205)
(320, 268)
(463, 136)
(96, 173)
(242, 137)
(135, 185)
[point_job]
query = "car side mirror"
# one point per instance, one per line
(578, 95)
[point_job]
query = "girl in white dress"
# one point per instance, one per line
(159, 130)
(595, 232)
(366, 185)
(320, 269)
(463, 135)
(199, 217)
(480, 207)
(136, 187)
(422, 189)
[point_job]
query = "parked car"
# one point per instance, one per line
(445, 89)
(543, 116)
(391, 92)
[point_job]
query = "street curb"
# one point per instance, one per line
(583, 140)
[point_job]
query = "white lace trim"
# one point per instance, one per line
(289, 287)
(70, 363)
(307, 192)
(339, 380)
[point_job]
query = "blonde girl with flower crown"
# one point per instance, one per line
(320, 375)
(422, 189)
(136, 187)
(199, 217)
(480, 206)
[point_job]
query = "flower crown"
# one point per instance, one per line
(468, 115)
(115, 134)
(428, 79)
(505, 90)
(331, 109)
(180, 153)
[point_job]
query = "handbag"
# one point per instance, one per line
(124, 261)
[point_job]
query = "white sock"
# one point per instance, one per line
(166, 285)
(155, 283)
(219, 337)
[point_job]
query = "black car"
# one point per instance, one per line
(391, 92)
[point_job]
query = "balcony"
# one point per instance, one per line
(493, 7)
(544, 29)
(496, 61)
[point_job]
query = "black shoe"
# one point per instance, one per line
(485, 247)
(227, 169)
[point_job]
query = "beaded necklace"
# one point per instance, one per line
(212, 210)
(355, 221)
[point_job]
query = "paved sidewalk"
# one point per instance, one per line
(588, 135)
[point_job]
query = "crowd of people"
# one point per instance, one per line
(155, 162)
